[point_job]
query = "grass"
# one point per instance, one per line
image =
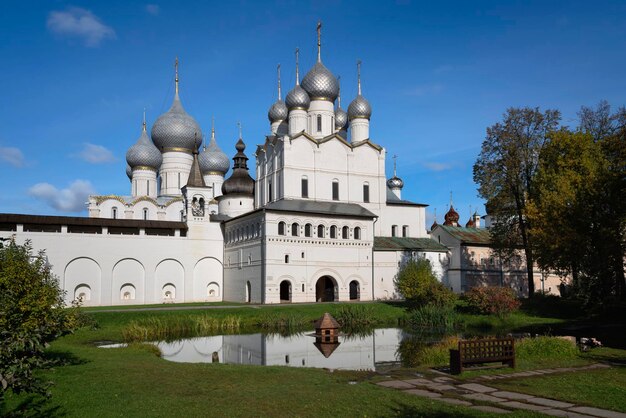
(440, 318)
(134, 381)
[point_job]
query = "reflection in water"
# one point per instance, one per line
(365, 352)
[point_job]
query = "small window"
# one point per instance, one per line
(366, 193)
(320, 231)
(305, 187)
(333, 231)
(394, 230)
(319, 123)
(295, 229)
(335, 190)
(286, 258)
(148, 187)
(269, 192)
(114, 213)
(281, 228)
(302, 255)
(357, 233)
(345, 232)
(405, 231)
(145, 214)
(182, 216)
(307, 230)
(303, 287)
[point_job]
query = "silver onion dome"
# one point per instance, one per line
(297, 98)
(395, 183)
(320, 83)
(143, 153)
(341, 118)
(212, 159)
(129, 172)
(278, 112)
(360, 108)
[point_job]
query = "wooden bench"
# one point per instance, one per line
(482, 351)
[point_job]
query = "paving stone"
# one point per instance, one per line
(604, 413)
(521, 405)
(396, 384)
(492, 409)
(455, 401)
(441, 387)
(483, 397)
(476, 387)
(423, 393)
(561, 413)
(418, 382)
(549, 402)
(510, 395)
(443, 379)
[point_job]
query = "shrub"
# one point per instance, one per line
(32, 314)
(490, 300)
(417, 283)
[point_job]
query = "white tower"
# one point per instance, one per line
(395, 183)
(322, 88)
(238, 190)
(144, 160)
(359, 113)
(213, 164)
(177, 135)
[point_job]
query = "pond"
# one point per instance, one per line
(365, 352)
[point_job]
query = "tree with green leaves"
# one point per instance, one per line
(32, 314)
(504, 172)
(417, 283)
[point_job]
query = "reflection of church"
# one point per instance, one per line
(319, 221)
(300, 350)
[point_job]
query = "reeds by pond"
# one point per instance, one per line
(177, 327)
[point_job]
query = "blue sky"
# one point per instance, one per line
(76, 77)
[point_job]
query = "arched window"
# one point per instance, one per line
(305, 186)
(366, 192)
(394, 230)
(295, 229)
(307, 230)
(333, 231)
(345, 232)
(114, 212)
(320, 231)
(405, 231)
(319, 123)
(335, 189)
(145, 214)
(357, 233)
(286, 258)
(281, 228)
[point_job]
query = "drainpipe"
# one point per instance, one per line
(373, 234)
(263, 260)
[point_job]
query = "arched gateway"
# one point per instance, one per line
(326, 289)
(285, 291)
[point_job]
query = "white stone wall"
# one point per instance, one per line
(108, 266)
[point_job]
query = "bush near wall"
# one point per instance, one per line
(492, 300)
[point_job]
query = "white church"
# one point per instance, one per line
(315, 219)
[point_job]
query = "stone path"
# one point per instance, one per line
(477, 396)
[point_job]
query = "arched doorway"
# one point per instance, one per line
(326, 289)
(285, 291)
(248, 292)
(355, 291)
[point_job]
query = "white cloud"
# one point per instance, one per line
(95, 154)
(437, 166)
(12, 155)
(153, 9)
(71, 199)
(79, 23)
(425, 90)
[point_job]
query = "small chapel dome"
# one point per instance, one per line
(297, 98)
(278, 112)
(341, 118)
(212, 159)
(239, 181)
(452, 217)
(129, 172)
(360, 108)
(395, 183)
(143, 153)
(175, 128)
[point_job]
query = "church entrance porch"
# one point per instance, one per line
(285, 291)
(326, 290)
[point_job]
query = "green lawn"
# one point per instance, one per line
(134, 381)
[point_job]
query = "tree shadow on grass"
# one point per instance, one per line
(32, 406)
(410, 411)
(62, 358)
